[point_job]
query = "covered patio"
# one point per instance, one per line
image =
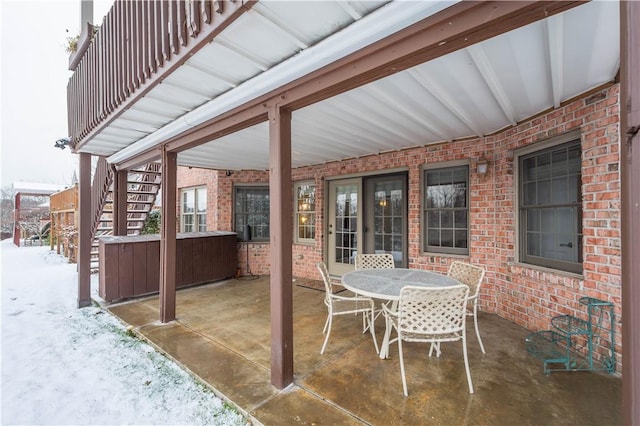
(222, 335)
(244, 89)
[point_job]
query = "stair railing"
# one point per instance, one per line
(102, 181)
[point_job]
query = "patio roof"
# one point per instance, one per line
(471, 92)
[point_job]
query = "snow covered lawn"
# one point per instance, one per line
(63, 365)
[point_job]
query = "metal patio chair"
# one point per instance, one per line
(472, 276)
(343, 305)
(374, 261)
(432, 315)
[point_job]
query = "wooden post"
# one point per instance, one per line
(281, 225)
(120, 186)
(84, 232)
(16, 219)
(630, 174)
(168, 237)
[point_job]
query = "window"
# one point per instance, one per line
(446, 210)
(305, 212)
(194, 210)
(252, 208)
(550, 205)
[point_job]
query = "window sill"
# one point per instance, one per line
(557, 272)
(446, 255)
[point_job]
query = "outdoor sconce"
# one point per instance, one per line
(482, 166)
(62, 143)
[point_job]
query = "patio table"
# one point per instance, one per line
(386, 284)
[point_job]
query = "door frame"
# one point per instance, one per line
(361, 177)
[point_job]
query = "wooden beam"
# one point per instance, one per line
(630, 191)
(281, 223)
(84, 231)
(144, 158)
(168, 238)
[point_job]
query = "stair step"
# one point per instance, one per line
(143, 182)
(144, 172)
(131, 211)
(137, 192)
(140, 202)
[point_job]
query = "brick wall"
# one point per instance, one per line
(526, 295)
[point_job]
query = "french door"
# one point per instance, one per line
(366, 215)
(344, 227)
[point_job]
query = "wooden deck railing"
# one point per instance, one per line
(66, 200)
(137, 44)
(102, 180)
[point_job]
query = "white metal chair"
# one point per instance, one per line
(433, 315)
(472, 276)
(343, 305)
(374, 261)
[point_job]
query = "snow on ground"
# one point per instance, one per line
(63, 365)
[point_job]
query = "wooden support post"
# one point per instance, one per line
(120, 186)
(168, 237)
(281, 223)
(16, 219)
(630, 191)
(84, 232)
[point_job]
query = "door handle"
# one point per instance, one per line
(567, 245)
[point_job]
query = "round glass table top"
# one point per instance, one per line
(387, 283)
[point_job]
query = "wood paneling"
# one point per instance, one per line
(130, 265)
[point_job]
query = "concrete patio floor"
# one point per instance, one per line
(222, 335)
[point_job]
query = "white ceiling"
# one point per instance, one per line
(471, 92)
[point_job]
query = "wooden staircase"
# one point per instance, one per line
(143, 185)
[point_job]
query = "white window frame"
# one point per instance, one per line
(199, 217)
(304, 208)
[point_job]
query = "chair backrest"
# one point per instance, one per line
(375, 261)
(324, 272)
(468, 274)
(432, 311)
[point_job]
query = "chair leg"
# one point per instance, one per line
(404, 380)
(326, 338)
(475, 323)
(373, 331)
(435, 345)
(466, 361)
(324, 329)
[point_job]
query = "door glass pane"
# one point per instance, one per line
(388, 218)
(346, 220)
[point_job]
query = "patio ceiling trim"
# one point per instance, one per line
(456, 27)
